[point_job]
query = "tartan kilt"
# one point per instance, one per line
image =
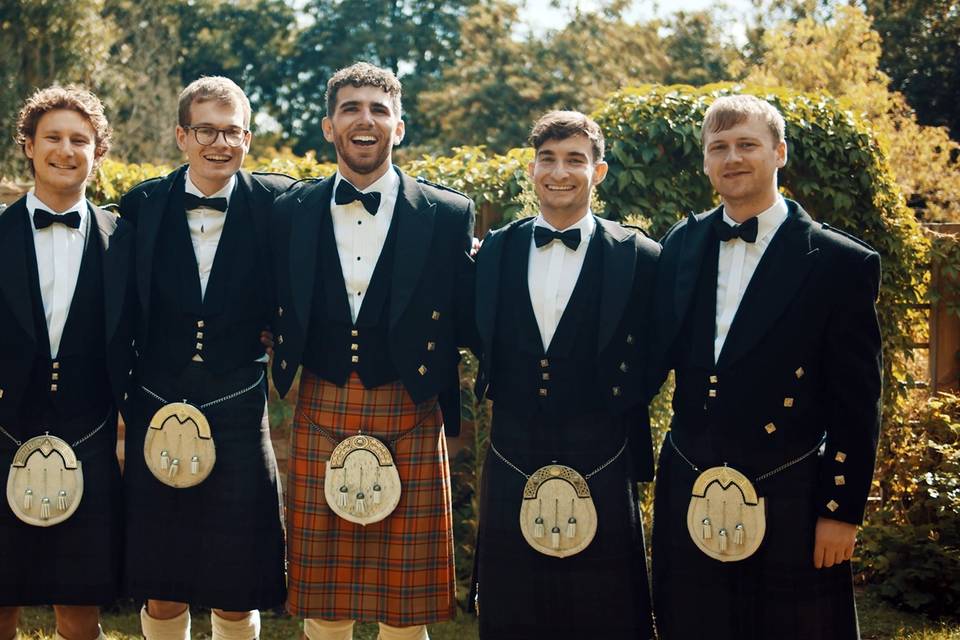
(400, 570)
(78, 561)
(775, 593)
(218, 544)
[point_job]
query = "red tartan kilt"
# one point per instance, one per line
(400, 570)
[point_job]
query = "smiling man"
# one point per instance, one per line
(203, 510)
(376, 292)
(562, 307)
(768, 320)
(64, 352)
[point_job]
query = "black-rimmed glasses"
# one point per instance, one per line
(233, 136)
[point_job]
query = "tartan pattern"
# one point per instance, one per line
(400, 570)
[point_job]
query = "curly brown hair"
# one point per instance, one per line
(560, 125)
(364, 74)
(72, 97)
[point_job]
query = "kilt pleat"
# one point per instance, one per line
(400, 570)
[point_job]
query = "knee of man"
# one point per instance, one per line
(165, 609)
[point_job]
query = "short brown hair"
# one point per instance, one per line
(728, 111)
(72, 97)
(217, 88)
(364, 74)
(560, 125)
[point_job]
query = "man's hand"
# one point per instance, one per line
(475, 246)
(266, 339)
(833, 543)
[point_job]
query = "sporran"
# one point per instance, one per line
(179, 449)
(45, 483)
(361, 482)
(726, 519)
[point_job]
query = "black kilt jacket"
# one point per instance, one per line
(802, 359)
(430, 310)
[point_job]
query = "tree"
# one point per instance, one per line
(415, 39)
(44, 42)
(842, 56)
(921, 54)
(697, 51)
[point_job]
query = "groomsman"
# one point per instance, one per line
(64, 354)
(376, 293)
(768, 319)
(562, 307)
(204, 516)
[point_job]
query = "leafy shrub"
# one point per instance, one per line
(911, 548)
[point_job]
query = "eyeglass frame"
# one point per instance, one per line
(196, 136)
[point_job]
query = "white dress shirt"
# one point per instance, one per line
(206, 227)
(59, 254)
(552, 274)
(361, 236)
(736, 264)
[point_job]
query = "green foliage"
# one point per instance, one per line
(836, 169)
(911, 548)
(113, 179)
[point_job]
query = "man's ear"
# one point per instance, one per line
(327, 126)
(600, 171)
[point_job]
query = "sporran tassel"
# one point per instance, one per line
(571, 527)
(174, 467)
(707, 529)
(723, 540)
(738, 534)
(28, 499)
(194, 465)
(538, 530)
(164, 460)
(555, 537)
(62, 500)
(360, 506)
(342, 496)
(376, 493)
(45, 509)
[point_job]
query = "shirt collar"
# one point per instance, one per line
(225, 192)
(768, 221)
(388, 185)
(587, 224)
(34, 203)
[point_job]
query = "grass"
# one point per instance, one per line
(878, 621)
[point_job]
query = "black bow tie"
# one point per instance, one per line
(347, 193)
(746, 231)
(543, 236)
(43, 219)
(191, 202)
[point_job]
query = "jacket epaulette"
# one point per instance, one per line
(442, 187)
(827, 227)
(274, 173)
(638, 229)
(112, 207)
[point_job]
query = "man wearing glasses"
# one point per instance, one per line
(203, 503)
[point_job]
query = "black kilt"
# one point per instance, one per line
(75, 562)
(602, 591)
(775, 593)
(218, 544)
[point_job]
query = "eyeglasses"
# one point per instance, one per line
(234, 136)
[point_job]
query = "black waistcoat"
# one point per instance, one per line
(223, 327)
(561, 381)
(337, 346)
(70, 393)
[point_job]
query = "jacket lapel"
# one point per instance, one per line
(115, 260)
(619, 265)
(781, 271)
(148, 226)
(488, 285)
(15, 283)
(416, 217)
(695, 238)
(313, 206)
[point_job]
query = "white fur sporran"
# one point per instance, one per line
(361, 483)
(726, 518)
(557, 514)
(45, 483)
(179, 449)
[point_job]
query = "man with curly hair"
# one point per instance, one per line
(204, 518)
(376, 289)
(64, 351)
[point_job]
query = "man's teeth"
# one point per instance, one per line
(364, 139)
(559, 187)
(218, 158)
